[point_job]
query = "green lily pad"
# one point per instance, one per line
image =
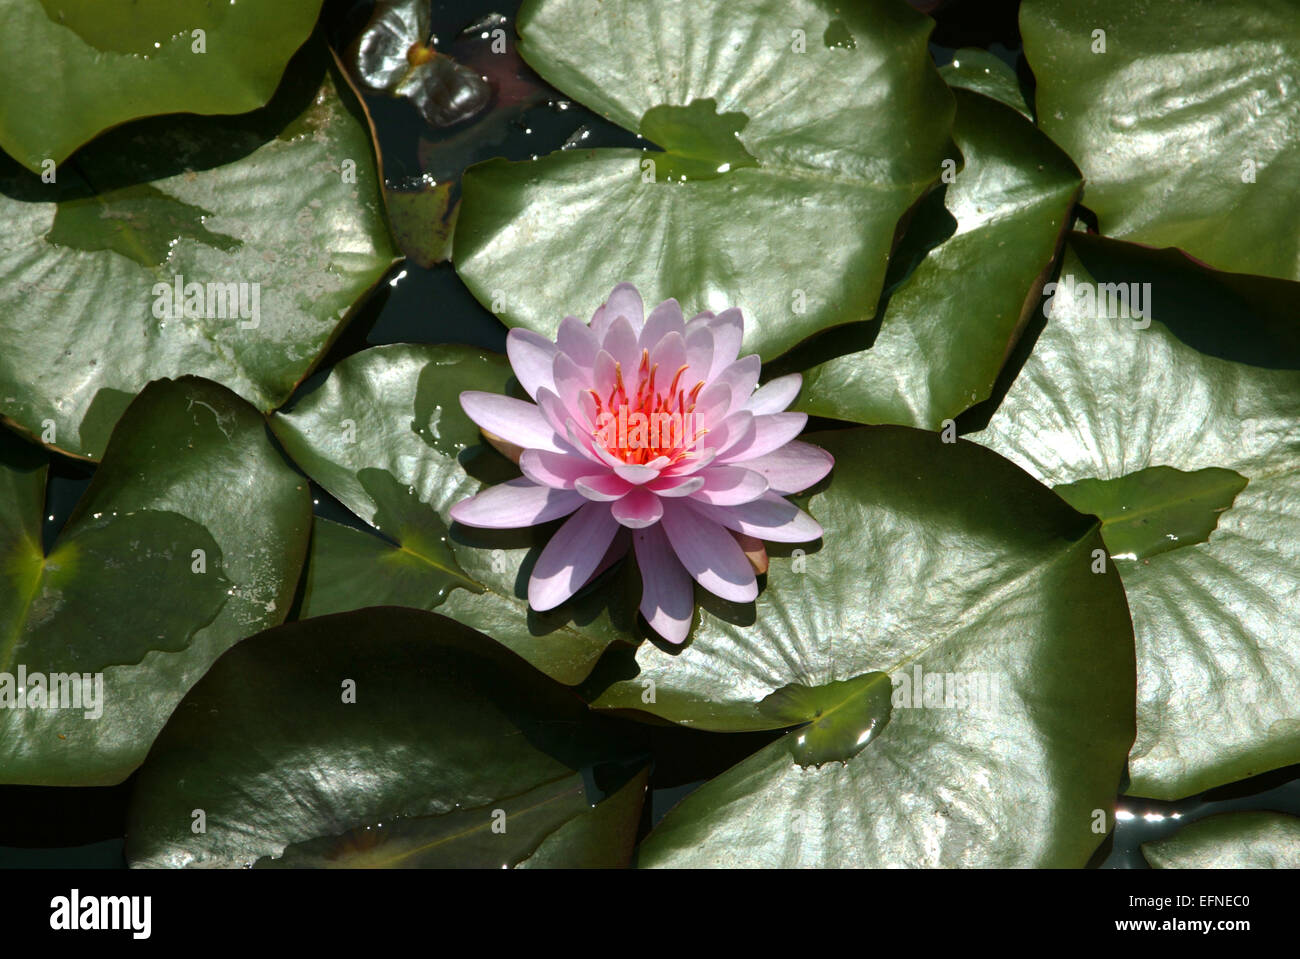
(423, 221)
(1182, 118)
(430, 747)
(1237, 840)
(842, 717)
(386, 436)
(191, 536)
(1010, 661)
(982, 72)
(1103, 397)
(1156, 509)
(412, 566)
(232, 248)
(947, 325)
(70, 69)
(787, 162)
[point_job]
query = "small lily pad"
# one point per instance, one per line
(982, 72)
(841, 717)
(1156, 509)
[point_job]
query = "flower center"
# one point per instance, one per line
(652, 421)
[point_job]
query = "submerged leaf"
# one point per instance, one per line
(396, 54)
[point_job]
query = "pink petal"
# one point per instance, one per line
(618, 548)
(583, 443)
(603, 376)
(625, 300)
(667, 597)
(741, 377)
(792, 468)
(571, 557)
(729, 485)
(699, 351)
(663, 319)
(692, 463)
(621, 343)
(769, 517)
(728, 328)
(670, 356)
(577, 341)
(531, 357)
(586, 407)
(771, 432)
(675, 485)
(556, 470)
(571, 385)
(603, 487)
(515, 503)
(638, 509)
(515, 421)
(635, 472)
(712, 405)
(709, 553)
(700, 321)
(561, 415)
(736, 429)
(776, 395)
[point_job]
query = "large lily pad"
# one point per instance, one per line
(386, 436)
(1182, 117)
(1103, 397)
(276, 216)
(795, 135)
(948, 324)
(939, 561)
(70, 69)
(191, 536)
(1238, 840)
(386, 738)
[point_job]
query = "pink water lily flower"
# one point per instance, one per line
(654, 425)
